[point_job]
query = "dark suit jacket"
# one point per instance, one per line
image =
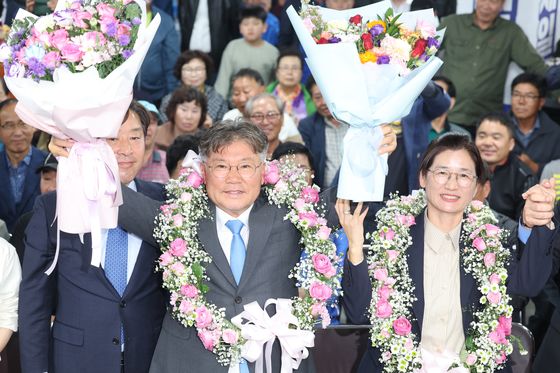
(312, 130)
(85, 336)
(9, 211)
(526, 277)
(272, 251)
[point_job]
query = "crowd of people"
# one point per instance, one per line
(227, 78)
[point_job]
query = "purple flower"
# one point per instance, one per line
(376, 30)
(127, 53)
(111, 29)
(124, 40)
(126, 23)
(36, 67)
(433, 42)
(334, 40)
(383, 60)
(136, 21)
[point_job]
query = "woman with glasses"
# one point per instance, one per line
(289, 88)
(186, 113)
(192, 70)
(446, 296)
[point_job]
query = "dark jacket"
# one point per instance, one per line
(526, 277)
(9, 211)
(85, 336)
(543, 145)
(156, 78)
(224, 24)
(508, 182)
(312, 130)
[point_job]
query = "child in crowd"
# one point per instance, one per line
(250, 51)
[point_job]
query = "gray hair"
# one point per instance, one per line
(226, 132)
(249, 105)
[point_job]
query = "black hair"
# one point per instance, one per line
(451, 90)
(289, 53)
(252, 12)
(7, 102)
(187, 94)
(188, 56)
(310, 83)
(248, 73)
(499, 117)
(293, 148)
(178, 150)
(536, 80)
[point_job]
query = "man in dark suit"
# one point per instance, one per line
(19, 182)
(108, 318)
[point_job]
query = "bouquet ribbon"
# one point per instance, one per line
(192, 160)
(260, 329)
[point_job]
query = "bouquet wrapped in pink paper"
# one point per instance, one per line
(72, 72)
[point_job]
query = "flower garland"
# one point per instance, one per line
(488, 341)
(184, 259)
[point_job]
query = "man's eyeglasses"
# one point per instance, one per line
(442, 176)
(270, 116)
(246, 170)
(528, 96)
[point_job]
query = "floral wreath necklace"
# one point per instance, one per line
(487, 342)
(184, 259)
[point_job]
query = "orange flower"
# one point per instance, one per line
(370, 24)
(368, 56)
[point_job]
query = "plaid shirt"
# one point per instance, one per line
(155, 169)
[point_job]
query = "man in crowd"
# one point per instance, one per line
(108, 318)
(441, 125)
(19, 160)
(478, 48)
(536, 135)
(154, 159)
(510, 177)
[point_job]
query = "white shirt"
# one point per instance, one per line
(200, 37)
(225, 236)
(10, 277)
(134, 243)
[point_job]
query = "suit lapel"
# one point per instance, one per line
(466, 283)
(208, 235)
(31, 185)
(261, 221)
(416, 267)
(99, 271)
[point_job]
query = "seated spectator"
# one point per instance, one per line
(186, 113)
(272, 22)
(266, 112)
(536, 135)
(250, 51)
(247, 83)
(10, 278)
(509, 176)
(288, 86)
(18, 161)
(299, 154)
(192, 70)
(441, 124)
(177, 152)
(155, 78)
(154, 159)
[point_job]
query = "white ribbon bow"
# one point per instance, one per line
(258, 328)
(192, 160)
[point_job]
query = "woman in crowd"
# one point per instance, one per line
(186, 113)
(446, 296)
(192, 69)
(288, 86)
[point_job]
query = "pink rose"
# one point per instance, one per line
(494, 297)
(380, 274)
(272, 173)
(178, 268)
(425, 28)
(203, 317)
(123, 29)
(280, 186)
(505, 324)
(471, 359)
(189, 291)
(317, 309)
(390, 281)
(406, 220)
(321, 221)
(384, 292)
(59, 38)
(408, 344)
(472, 217)
(71, 52)
(402, 326)
(489, 259)
(194, 180)
(386, 355)
(207, 339)
(501, 359)
(324, 232)
(186, 307)
(476, 204)
(165, 209)
(79, 18)
(323, 265)
(185, 196)
(300, 204)
(105, 10)
(229, 336)
(177, 220)
(389, 235)
(492, 230)
(320, 291)
(495, 279)
(497, 336)
(165, 258)
(51, 60)
(392, 254)
(310, 195)
(308, 217)
(479, 244)
(383, 309)
(178, 247)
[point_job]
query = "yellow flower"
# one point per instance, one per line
(370, 24)
(368, 56)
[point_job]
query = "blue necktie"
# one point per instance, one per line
(116, 259)
(236, 261)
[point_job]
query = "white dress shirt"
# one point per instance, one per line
(10, 277)
(200, 37)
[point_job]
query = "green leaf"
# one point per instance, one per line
(197, 270)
